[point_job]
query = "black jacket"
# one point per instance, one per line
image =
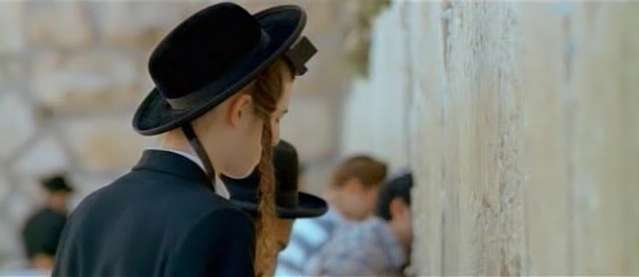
(161, 219)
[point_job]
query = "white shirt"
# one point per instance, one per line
(220, 188)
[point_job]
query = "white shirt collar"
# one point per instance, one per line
(220, 188)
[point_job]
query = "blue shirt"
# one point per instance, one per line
(307, 238)
(366, 249)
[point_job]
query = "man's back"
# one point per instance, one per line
(154, 222)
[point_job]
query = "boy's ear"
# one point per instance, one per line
(239, 106)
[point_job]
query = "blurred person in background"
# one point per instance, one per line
(379, 246)
(42, 230)
(352, 196)
(290, 203)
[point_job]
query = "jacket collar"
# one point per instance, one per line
(173, 164)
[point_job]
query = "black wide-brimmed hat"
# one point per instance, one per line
(212, 55)
(289, 202)
(56, 183)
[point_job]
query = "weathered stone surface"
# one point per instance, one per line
(543, 74)
(386, 91)
(12, 73)
(310, 127)
(19, 123)
(11, 27)
(10, 247)
(5, 187)
(137, 24)
(104, 144)
(19, 207)
(522, 133)
(87, 81)
(606, 140)
(44, 157)
(59, 23)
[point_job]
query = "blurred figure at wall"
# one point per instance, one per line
(42, 230)
(378, 247)
(351, 195)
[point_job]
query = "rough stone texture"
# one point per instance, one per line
(12, 73)
(546, 149)
(18, 125)
(10, 246)
(61, 24)
(606, 139)
(104, 144)
(522, 133)
(137, 24)
(12, 37)
(5, 188)
(86, 82)
(364, 130)
(42, 158)
(308, 126)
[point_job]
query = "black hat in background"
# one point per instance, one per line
(397, 187)
(290, 203)
(56, 183)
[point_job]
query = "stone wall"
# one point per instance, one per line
(72, 73)
(519, 121)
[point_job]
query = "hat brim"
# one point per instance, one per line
(309, 206)
(65, 189)
(284, 25)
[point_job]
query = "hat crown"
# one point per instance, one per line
(200, 49)
(55, 183)
(286, 165)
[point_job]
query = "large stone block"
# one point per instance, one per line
(44, 157)
(12, 73)
(543, 52)
(11, 250)
(384, 134)
(19, 206)
(310, 125)
(523, 134)
(5, 188)
(104, 144)
(139, 25)
(12, 38)
(87, 82)
(17, 125)
(59, 23)
(606, 139)
(426, 25)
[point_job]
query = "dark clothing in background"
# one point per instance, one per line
(161, 219)
(42, 231)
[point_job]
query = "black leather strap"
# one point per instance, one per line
(199, 150)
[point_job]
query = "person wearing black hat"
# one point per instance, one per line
(222, 80)
(289, 202)
(42, 230)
